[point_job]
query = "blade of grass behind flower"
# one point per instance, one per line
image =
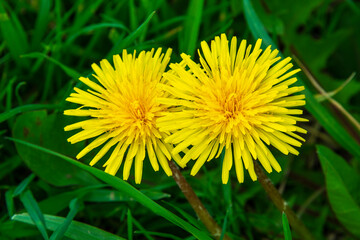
(69, 71)
(60, 231)
(13, 33)
(287, 231)
(34, 211)
(191, 29)
(9, 200)
(325, 118)
(125, 187)
(41, 22)
(25, 108)
(129, 225)
(24, 183)
(142, 230)
(84, 15)
(124, 43)
(77, 230)
(224, 226)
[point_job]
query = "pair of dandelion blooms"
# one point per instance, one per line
(237, 100)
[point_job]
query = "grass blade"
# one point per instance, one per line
(287, 231)
(13, 33)
(125, 187)
(123, 43)
(34, 211)
(41, 22)
(62, 228)
(31, 107)
(129, 225)
(9, 200)
(69, 71)
(191, 27)
(20, 188)
(76, 230)
(325, 118)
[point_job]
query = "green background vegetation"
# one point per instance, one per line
(46, 45)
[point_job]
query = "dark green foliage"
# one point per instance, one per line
(45, 45)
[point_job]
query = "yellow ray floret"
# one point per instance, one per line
(238, 100)
(123, 109)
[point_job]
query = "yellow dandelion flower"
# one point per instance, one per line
(239, 100)
(123, 110)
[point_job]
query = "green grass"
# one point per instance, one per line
(46, 194)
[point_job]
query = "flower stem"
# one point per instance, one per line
(297, 225)
(195, 203)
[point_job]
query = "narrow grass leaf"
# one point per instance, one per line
(286, 227)
(41, 22)
(124, 43)
(129, 225)
(24, 183)
(142, 230)
(110, 195)
(125, 187)
(342, 186)
(95, 27)
(56, 203)
(163, 235)
(224, 226)
(187, 216)
(13, 33)
(9, 201)
(83, 15)
(76, 230)
(69, 71)
(60, 231)
(325, 118)
(191, 29)
(26, 108)
(34, 211)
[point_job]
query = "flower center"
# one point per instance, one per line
(139, 112)
(231, 106)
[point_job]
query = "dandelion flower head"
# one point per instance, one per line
(123, 109)
(237, 99)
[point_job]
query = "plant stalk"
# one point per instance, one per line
(195, 203)
(296, 224)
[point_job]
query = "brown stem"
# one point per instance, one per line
(195, 203)
(297, 225)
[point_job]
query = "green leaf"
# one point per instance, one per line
(62, 228)
(342, 185)
(76, 230)
(286, 226)
(325, 118)
(31, 107)
(125, 187)
(56, 203)
(124, 43)
(13, 33)
(9, 165)
(186, 215)
(24, 183)
(129, 225)
(40, 128)
(224, 226)
(34, 211)
(110, 195)
(69, 71)
(9, 200)
(191, 29)
(42, 21)
(95, 27)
